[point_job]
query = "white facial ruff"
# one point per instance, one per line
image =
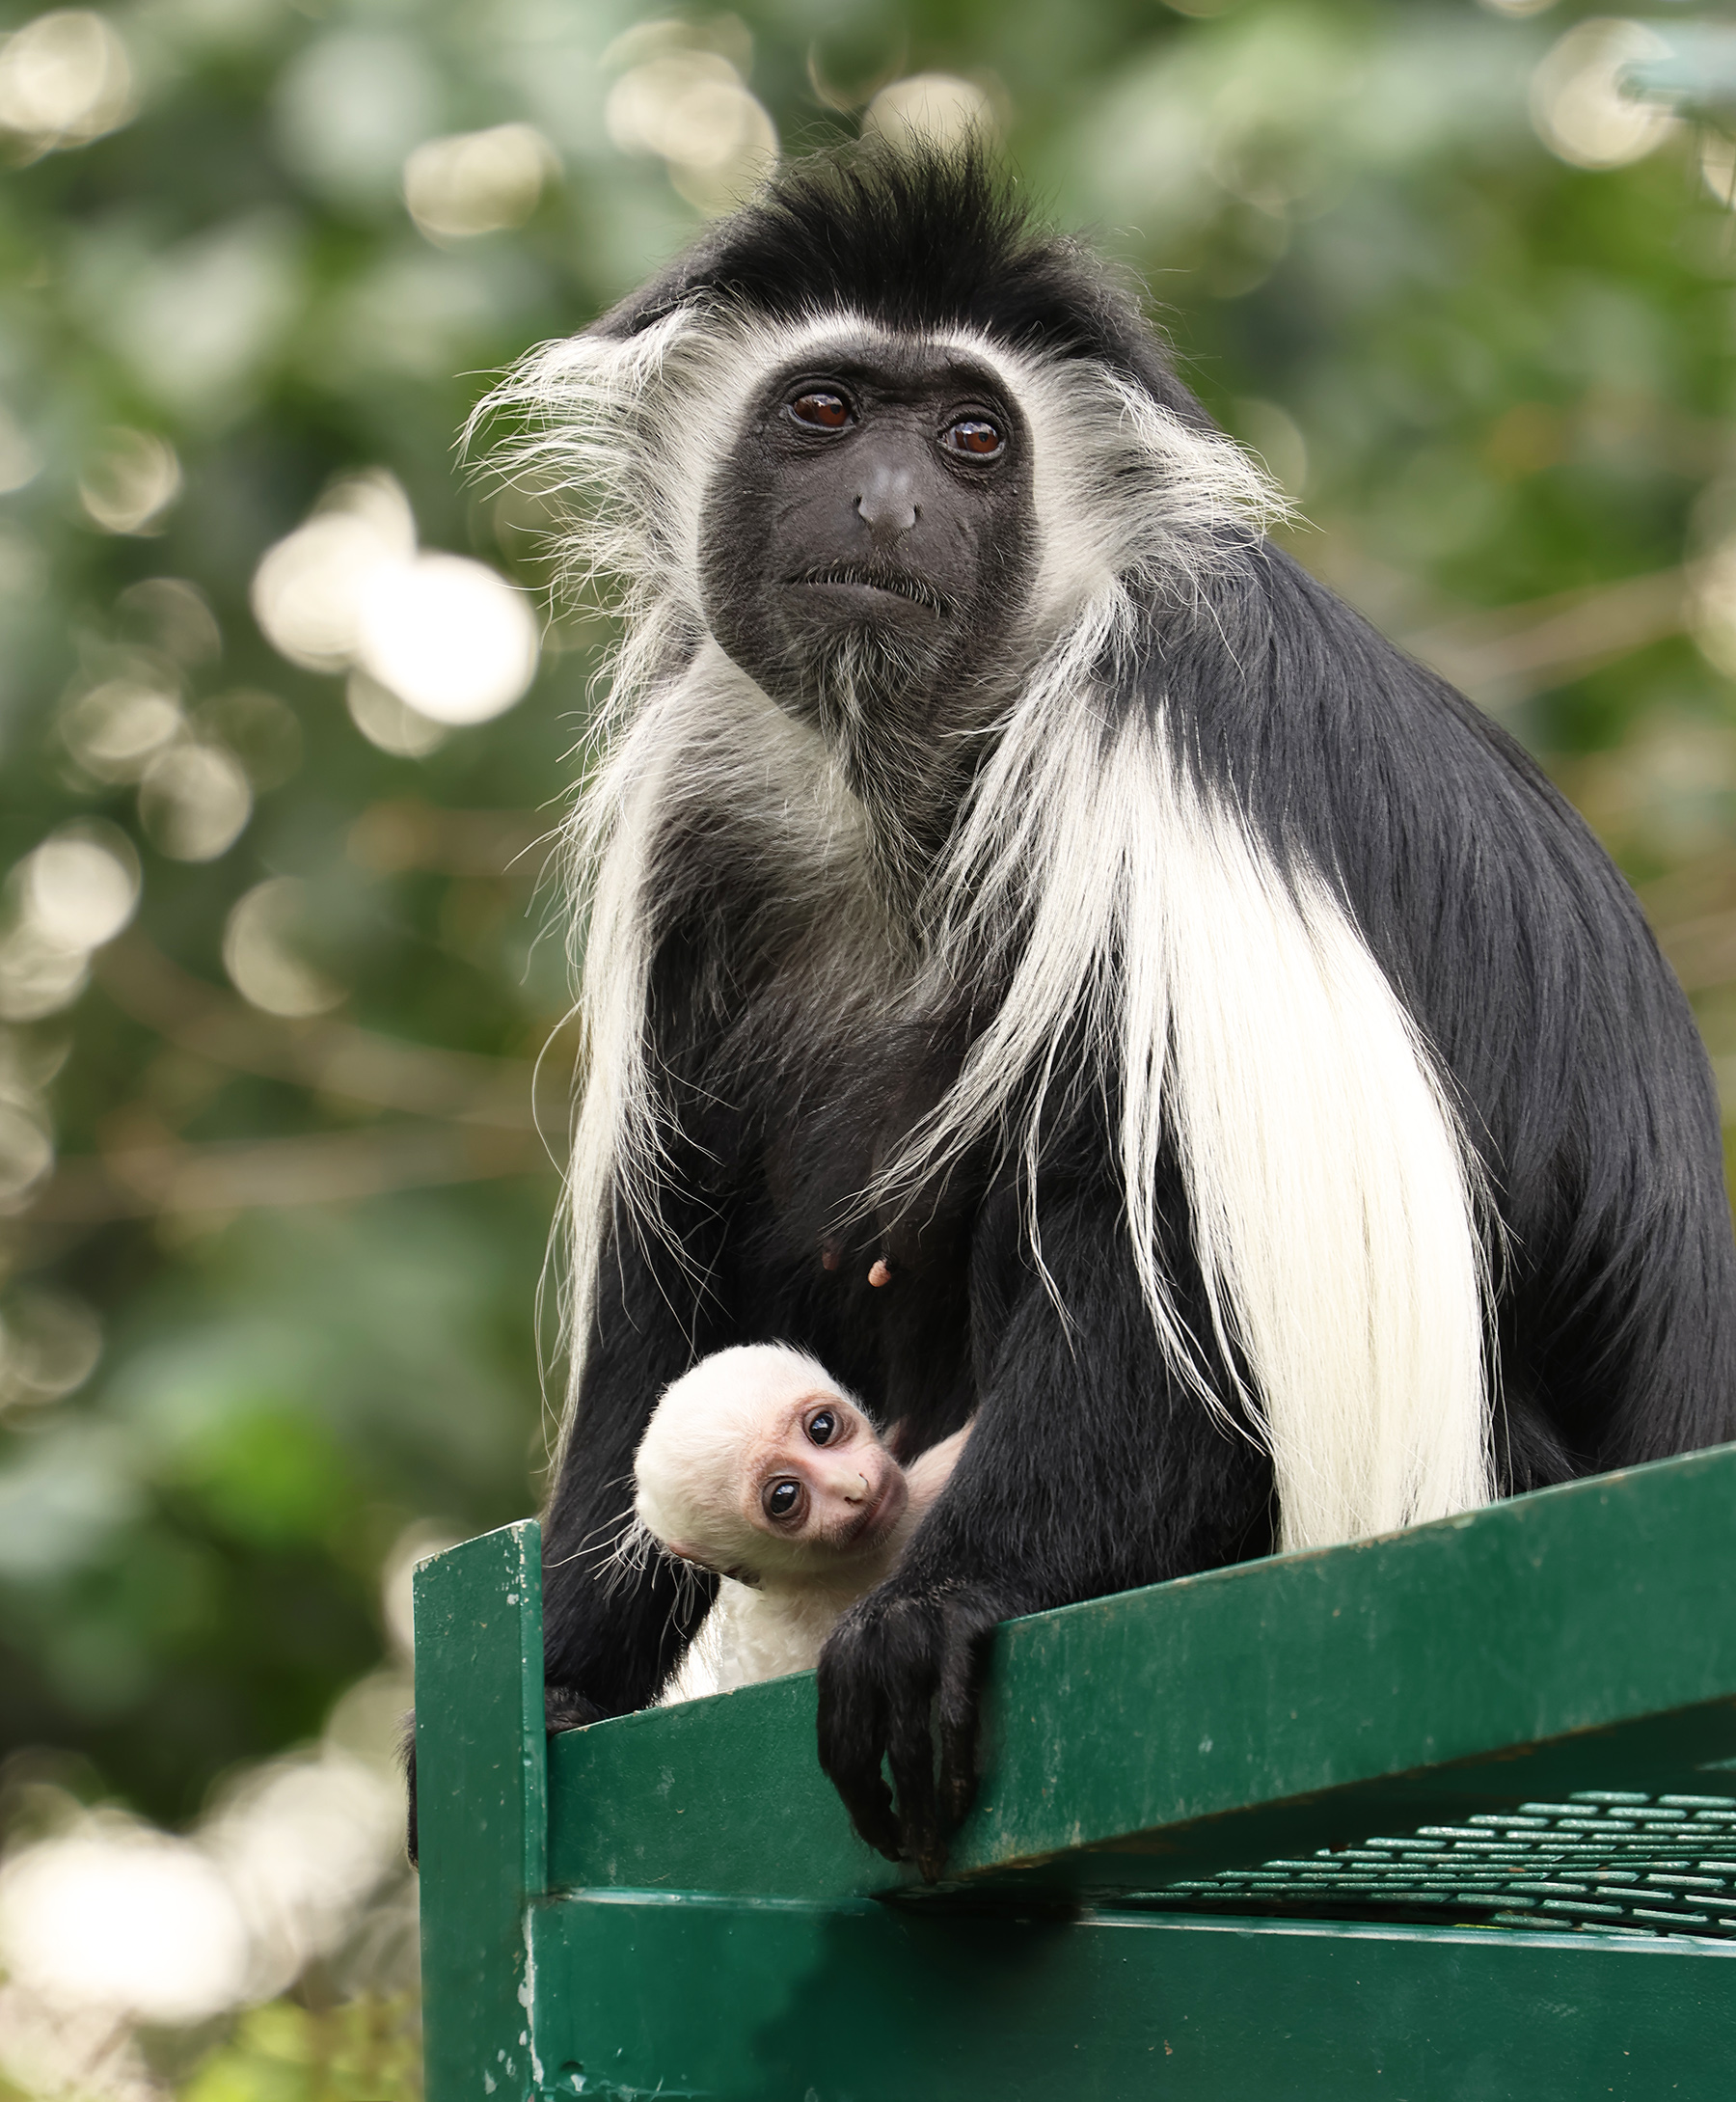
(1335, 1199)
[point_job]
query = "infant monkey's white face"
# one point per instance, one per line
(821, 1484)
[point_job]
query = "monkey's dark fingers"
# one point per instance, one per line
(911, 1754)
(565, 1707)
(958, 1709)
(868, 1799)
(853, 1735)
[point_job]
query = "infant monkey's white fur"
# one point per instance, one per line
(757, 1466)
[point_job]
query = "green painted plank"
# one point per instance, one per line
(482, 1825)
(763, 2001)
(1593, 1608)
(724, 1795)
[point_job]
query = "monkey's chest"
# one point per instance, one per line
(877, 1289)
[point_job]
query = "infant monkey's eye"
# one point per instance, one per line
(824, 411)
(780, 1500)
(975, 437)
(823, 1427)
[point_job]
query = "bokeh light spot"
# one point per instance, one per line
(448, 637)
(49, 1345)
(300, 1842)
(478, 182)
(26, 1148)
(307, 590)
(385, 722)
(1713, 605)
(113, 729)
(930, 109)
(195, 802)
(126, 1918)
(82, 884)
(1581, 111)
(38, 977)
(693, 110)
(173, 615)
(262, 953)
(65, 79)
(70, 894)
(130, 481)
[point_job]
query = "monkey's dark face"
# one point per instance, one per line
(868, 544)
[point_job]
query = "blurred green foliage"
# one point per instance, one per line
(282, 2053)
(1498, 384)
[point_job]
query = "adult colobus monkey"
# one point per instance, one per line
(1050, 960)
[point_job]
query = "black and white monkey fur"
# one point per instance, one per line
(1008, 872)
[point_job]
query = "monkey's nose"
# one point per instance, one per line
(853, 1489)
(886, 504)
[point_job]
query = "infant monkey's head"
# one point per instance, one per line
(756, 1465)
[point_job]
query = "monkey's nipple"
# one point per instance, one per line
(882, 1272)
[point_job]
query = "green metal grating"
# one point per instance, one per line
(1604, 1860)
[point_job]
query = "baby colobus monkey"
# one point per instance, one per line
(758, 1467)
(1050, 959)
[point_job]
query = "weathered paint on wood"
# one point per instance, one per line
(749, 2000)
(481, 1809)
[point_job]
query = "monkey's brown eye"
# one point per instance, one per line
(823, 1427)
(824, 411)
(975, 437)
(781, 1501)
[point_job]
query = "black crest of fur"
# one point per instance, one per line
(919, 242)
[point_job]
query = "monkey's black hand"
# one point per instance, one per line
(902, 1656)
(565, 1707)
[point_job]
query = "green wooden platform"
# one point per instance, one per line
(1448, 1814)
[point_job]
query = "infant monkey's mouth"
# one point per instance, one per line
(884, 1513)
(871, 576)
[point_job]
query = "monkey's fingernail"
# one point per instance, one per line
(828, 1259)
(881, 1273)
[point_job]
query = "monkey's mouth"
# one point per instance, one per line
(882, 1514)
(871, 576)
